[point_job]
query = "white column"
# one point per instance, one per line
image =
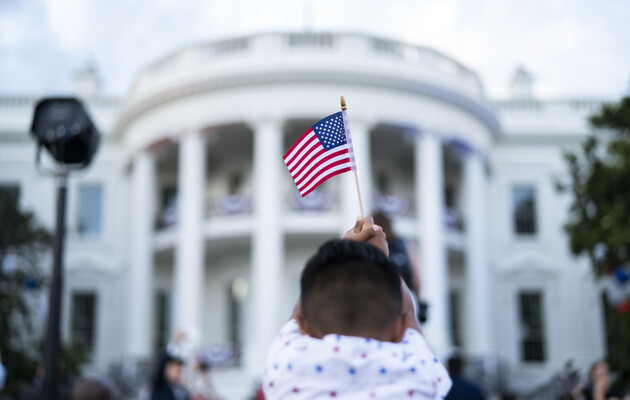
(350, 209)
(479, 336)
(143, 200)
(434, 266)
(189, 262)
(267, 245)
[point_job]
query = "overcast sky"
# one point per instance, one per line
(574, 48)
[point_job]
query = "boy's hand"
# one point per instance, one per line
(364, 230)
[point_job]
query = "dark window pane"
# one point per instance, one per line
(90, 209)
(532, 326)
(455, 316)
(12, 192)
(162, 318)
(524, 210)
(83, 321)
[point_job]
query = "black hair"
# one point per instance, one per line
(93, 389)
(350, 288)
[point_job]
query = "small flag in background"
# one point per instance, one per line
(322, 152)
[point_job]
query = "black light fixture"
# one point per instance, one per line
(63, 127)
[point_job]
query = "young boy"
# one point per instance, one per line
(353, 334)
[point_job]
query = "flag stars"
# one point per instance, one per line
(330, 132)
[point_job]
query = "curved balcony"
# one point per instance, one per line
(299, 58)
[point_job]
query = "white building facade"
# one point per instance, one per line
(188, 219)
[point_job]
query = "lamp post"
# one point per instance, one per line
(63, 127)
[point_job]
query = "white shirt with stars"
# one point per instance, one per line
(300, 367)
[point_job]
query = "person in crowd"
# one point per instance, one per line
(569, 378)
(93, 389)
(404, 255)
(200, 383)
(168, 383)
(35, 389)
(462, 389)
(598, 385)
(3, 374)
(260, 394)
(399, 252)
(353, 333)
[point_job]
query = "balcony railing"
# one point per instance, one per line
(395, 206)
(192, 60)
(231, 204)
(317, 200)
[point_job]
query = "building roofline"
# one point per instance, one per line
(483, 112)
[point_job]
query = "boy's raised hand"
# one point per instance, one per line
(364, 230)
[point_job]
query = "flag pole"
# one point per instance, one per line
(356, 176)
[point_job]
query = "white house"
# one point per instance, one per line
(189, 220)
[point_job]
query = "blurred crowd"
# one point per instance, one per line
(178, 374)
(181, 375)
(599, 385)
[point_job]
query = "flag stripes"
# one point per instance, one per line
(319, 154)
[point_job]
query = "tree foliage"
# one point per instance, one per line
(600, 183)
(22, 244)
(599, 224)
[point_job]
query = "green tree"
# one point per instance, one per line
(23, 242)
(599, 224)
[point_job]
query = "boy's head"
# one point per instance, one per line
(351, 288)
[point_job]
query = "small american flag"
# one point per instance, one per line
(323, 151)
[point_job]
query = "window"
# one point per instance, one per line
(162, 319)
(83, 321)
(12, 192)
(237, 293)
(455, 316)
(532, 327)
(524, 210)
(90, 209)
